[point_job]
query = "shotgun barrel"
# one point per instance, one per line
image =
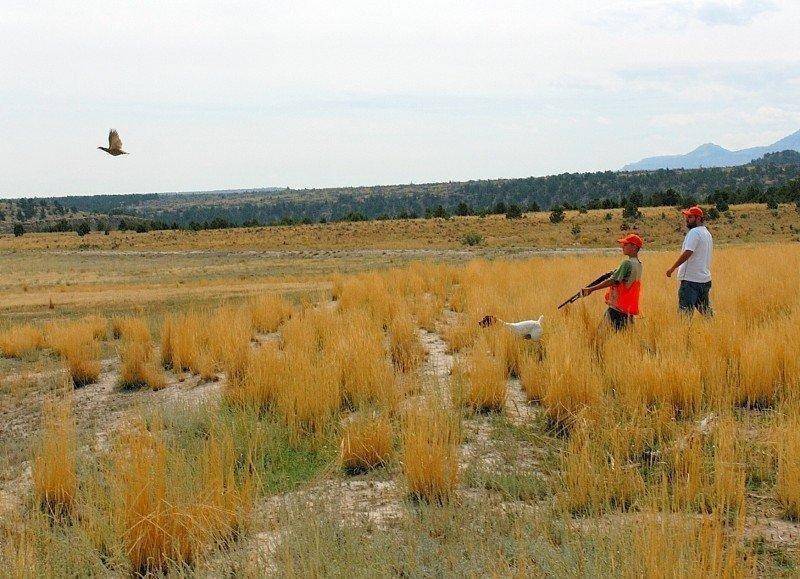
(575, 297)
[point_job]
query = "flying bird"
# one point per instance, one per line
(114, 144)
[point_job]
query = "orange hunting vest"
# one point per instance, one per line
(624, 298)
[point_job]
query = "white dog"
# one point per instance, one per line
(527, 329)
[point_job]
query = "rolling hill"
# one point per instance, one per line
(768, 177)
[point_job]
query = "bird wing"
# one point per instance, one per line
(114, 142)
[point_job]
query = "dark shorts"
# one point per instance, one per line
(695, 296)
(617, 319)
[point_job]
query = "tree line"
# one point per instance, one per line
(773, 179)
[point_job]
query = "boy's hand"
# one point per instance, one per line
(670, 271)
(586, 292)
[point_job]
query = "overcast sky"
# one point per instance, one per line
(212, 95)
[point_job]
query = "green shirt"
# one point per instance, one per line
(628, 272)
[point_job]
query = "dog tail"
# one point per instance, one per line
(540, 320)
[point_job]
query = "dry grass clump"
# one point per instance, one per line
(138, 363)
(171, 512)
(129, 327)
(677, 545)
(787, 483)
(228, 340)
(366, 442)
(573, 384)
(81, 356)
(55, 480)
(97, 325)
(427, 309)
(533, 377)
(266, 369)
(404, 346)
(18, 340)
(268, 312)
(431, 435)
(367, 376)
(311, 329)
(769, 364)
(309, 395)
(368, 293)
(77, 346)
(478, 381)
(461, 335)
(507, 347)
(707, 472)
(598, 471)
(186, 343)
(645, 379)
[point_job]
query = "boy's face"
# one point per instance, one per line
(629, 249)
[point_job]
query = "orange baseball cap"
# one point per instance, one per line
(633, 239)
(693, 212)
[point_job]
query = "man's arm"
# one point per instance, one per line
(681, 260)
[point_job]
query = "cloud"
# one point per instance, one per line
(677, 14)
(736, 13)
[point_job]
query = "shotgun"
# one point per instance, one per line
(577, 295)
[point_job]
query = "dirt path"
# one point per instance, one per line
(438, 364)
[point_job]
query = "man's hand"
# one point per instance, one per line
(586, 292)
(670, 271)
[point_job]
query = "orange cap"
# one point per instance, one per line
(633, 239)
(693, 212)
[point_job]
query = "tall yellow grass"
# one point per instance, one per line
(266, 369)
(658, 545)
(268, 312)
(479, 380)
(76, 343)
(405, 348)
(598, 471)
(54, 463)
(787, 484)
(367, 377)
(186, 344)
(431, 435)
(19, 340)
(172, 512)
(366, 442)
(309, 394)
(138, 363)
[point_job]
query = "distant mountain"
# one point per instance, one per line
(711, 155)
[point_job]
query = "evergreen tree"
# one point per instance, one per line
(83, 228)
(513, 212)
(631, 210)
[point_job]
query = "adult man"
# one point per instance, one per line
(694, 265)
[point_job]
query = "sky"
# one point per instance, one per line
(224, 95)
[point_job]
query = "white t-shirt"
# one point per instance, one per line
(698, 267)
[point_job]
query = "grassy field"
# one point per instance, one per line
(660, 227)
(125, 271)
(212, 404)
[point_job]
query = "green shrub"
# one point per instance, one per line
(472, 239)
(557, 214)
